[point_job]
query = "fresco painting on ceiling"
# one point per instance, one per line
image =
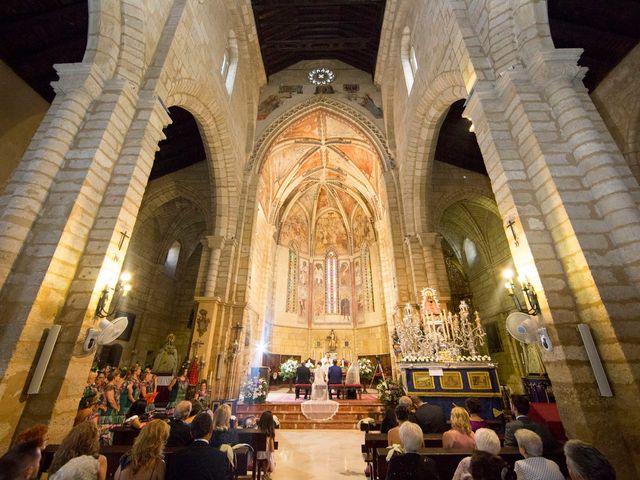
(330, 233)
(361, 229)
(295, 229)
(268, 105)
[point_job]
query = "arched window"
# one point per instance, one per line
(229, 65)
(171, 263)
(367, 278)
(331, 283)
(408, 58)
(292, 280)
(470, 251)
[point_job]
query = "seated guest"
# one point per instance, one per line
(534, 466)
(520, 409)
(199, 461)
(266, 424)
(21, 462)
(180, 431)
(429, 417)
(486, 466)
(411, 465)
(474, 407)
(196, 408)
(335, 377)
(460, 435)
(222, 431)
(585, 462)
(145, 460)
(38, 432)
(389, 420)
(402, 415)
(78, 457)
(136, 416)
(202, 395)
(486, 441)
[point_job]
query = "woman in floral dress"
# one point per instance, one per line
(130, 390)
(178, 388)
(148, 387)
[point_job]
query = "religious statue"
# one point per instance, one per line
(333, 341)
(202, 321)
(167, 360)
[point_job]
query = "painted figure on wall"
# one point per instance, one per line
(304, 273)
(345, 309)
(318, 274)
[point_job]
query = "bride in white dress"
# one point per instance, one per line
(319, 389)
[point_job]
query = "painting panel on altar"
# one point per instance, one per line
(479, 380)
(423, 381)
(451, 381)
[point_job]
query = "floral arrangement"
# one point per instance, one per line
(288, 369)
(254, 390)
(470, 358)
(366, 369)
(389, 392)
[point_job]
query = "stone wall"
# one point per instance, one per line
(22, 112)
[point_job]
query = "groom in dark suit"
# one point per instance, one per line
(303, 376)
(335, 377)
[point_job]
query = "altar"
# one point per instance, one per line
(441, 353)
(445, 384)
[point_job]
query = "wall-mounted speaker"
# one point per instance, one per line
(594, 359)
(43, 361)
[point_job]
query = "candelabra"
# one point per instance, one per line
(529, 304)
(120, 290)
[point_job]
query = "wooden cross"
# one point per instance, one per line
(510, 225)
(122, 239)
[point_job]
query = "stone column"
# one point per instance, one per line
(565, 192)
(215, 245)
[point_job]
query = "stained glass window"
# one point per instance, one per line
(292, 281)
(331, 271)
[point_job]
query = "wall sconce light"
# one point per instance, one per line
(529, 304)
(235, 346)
(121, 289)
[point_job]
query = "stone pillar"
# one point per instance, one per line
(577, 231)
(76, 248)
(215, 245)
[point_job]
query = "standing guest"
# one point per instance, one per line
(520, 410)
(178, 388)
(222, 431)
(460, 435)
(180, 434)
(474, 407)
(429, 417)
(112, 399)
(148, 388)
(303, 377)
(402, 415)
(202, 394)
(77, 457)
(199, 461)
(22, 462)
(486, 441)
(534, 466)
(145, 460)
(411, 465)
(267, 425)
(486, 466)
(585, 462)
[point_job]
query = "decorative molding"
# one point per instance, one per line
(308, 106)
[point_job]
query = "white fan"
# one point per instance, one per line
(106, 333)
(525, 329)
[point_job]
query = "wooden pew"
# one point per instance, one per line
(446, 460)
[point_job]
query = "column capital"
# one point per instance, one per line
(74, 76)
(549, 65)
(214, 242)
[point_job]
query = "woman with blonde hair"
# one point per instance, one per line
(222, 431)
(78, 457)
(460, 435)
(146, 460)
